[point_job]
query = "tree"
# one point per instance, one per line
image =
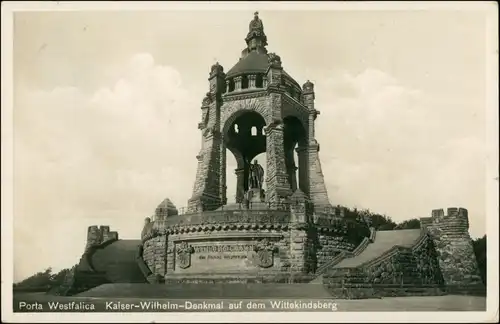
(408, 224)
(479, 245)
(43, 280)
(38, 280)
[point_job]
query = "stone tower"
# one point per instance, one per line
(257, 107)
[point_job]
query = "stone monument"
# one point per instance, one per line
(282, 227)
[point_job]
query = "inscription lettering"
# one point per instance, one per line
(223, 248)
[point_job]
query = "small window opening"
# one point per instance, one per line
(259, 81)
(244, 82)
(231, 85)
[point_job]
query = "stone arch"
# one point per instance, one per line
(232, 110)
(301, 116)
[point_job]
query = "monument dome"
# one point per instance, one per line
(255, 58)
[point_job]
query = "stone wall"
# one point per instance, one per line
(455, 253)
(97, 235)
(154, 254)
(401, 271)
(330, 245)
(336, 234)
(222, 244)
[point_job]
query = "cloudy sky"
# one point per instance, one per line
(106, 107)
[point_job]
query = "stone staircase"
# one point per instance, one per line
(124, 268)
(343, 255)
(384, 242)
(349, 279)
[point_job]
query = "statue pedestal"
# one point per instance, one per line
(254, 196)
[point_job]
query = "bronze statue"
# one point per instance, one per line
(256, 176)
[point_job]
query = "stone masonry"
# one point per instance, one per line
(257, 83)
(450, 235)
(288, 232)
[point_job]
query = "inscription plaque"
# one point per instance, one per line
(229, 256)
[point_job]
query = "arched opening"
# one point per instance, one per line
(244, 82)
(246, 143)
(259, 81)
(295, 154)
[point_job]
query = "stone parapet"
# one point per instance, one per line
(450, 235)
(97, 235)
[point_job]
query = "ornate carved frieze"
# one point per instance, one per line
(246, 95)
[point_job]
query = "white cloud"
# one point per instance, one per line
(390, 148)
(109, 157)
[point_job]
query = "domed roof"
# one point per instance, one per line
(252, 63)
(255, 58)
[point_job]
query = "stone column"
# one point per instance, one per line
(302, 153)
(228, 82)
(292, 173)
(251, 81)
(277, 179)
(207, 188)
(301, 260)
(240, 184)
(222, 174)
(237, 83)
(317, 188)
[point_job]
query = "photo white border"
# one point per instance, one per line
(491, 314)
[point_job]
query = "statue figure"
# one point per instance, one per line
(256, 175)
(256, 23)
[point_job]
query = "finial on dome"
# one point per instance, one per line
(256, 31)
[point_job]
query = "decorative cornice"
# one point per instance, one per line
(254, 93)
(217, 228)
(224, 235)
